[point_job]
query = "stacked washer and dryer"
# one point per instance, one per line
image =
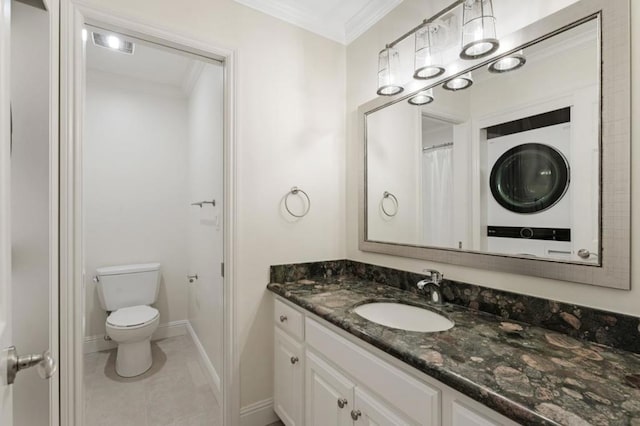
(528, 201)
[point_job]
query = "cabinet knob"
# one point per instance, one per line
(283, 318)
(584, 254)
(294, 359)
(355, 414)
(342, 402)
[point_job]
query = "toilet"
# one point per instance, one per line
(126, 293)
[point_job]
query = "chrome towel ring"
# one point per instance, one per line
(385, 195)
(295, 191)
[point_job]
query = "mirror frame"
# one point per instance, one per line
(614, 268)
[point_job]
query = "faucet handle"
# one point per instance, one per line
(436, 276)
(421, 284)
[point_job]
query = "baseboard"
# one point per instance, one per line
(258, 414)
(205, 363)
(170, 329)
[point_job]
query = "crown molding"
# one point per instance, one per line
(368, 17)
(311, 21)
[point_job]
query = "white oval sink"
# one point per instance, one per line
(404, 317)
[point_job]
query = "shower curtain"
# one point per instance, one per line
(437, 200)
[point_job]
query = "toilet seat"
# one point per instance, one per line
(132, 317)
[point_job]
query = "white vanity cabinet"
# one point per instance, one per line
(371, 411)
(332, 399)
(337, 380)
(463, 416)
(329, 394)
(288, 392)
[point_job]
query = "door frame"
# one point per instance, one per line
(53, 9)
(73, 15)
(6, 395)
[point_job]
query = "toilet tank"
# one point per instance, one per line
(128, 285)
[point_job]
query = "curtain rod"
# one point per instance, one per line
(442, 145)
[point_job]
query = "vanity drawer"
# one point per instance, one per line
(289, 319)
(414, 399)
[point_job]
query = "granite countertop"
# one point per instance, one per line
(527, 373)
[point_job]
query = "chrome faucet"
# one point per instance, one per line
(433, 285)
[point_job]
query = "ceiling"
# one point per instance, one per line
(339, 20)
(154, 64)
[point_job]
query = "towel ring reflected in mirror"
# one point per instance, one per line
(388, 195)
(295, 191)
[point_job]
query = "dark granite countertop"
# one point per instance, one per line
(529, 374)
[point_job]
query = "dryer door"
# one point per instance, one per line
(529, 178)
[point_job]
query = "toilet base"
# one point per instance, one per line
(134, 358)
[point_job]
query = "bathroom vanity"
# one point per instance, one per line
(326, 377)
(334, 367)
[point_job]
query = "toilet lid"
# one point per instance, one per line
(132, 316)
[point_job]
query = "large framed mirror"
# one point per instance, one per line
(517, 162)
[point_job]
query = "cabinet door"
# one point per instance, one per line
(370, 411)
(329, 395)
(463, 416)
(288, 390)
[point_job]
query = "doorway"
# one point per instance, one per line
(128, 187)
(152, 195)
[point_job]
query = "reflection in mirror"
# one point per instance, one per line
(508, 165)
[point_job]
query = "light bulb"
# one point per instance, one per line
(113, 42)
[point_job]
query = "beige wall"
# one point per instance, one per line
(290, 131)
(361, 85)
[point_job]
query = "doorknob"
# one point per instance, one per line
(44, 362)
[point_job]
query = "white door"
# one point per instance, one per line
(370, 411)
(6, 397)
(23, 323)
(288, 379)
(329, 395)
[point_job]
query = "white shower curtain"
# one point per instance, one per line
(437, 200)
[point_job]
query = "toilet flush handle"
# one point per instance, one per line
(192, 278)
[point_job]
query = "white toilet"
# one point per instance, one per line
(126, 291)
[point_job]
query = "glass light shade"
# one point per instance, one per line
(388, 70)
(508, 63)
(422, 98)
(428, 55)
(459, 83)
(478, 29)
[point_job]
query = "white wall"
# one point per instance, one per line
(135, 187)
(205, 245)
(290, 117)
(361, 83)
(394, 164)
(30, 205)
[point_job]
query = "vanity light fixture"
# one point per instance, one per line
(478, 29)
(428, 57)
(431, 45)
(113, 42)
(423, 97)
(388, 69)
(459, 83)
(508, 63)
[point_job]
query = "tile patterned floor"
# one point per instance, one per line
(174, 392)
